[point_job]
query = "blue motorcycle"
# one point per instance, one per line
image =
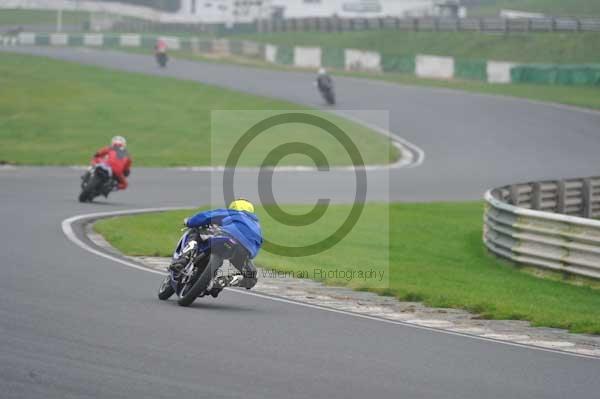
(200, 253)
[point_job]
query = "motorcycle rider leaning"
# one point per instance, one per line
(324, 81)
(239, 222)
(117, 157)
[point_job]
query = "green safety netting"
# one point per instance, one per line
(42, 39)
(333, 58)
(398, 63)
(557, 74)
(112, 40)
(236, 47)
(75, 40)
(148, 42)
(285, 55)
(470, 69)
(204, 45)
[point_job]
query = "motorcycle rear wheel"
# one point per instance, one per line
(201, 282)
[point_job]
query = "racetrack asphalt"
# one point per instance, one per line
(77, 325)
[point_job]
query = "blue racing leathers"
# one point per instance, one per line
(242, 226)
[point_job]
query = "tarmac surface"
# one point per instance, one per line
(77, 325)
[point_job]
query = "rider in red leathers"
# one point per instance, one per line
(117, 157)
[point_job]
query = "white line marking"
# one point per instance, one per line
(67, 229)
(397, 139)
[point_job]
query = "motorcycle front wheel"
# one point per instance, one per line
(166, 290)
(87, 194)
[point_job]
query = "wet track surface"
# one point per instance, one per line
(76, 325)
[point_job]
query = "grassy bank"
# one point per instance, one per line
(581, 8)
(435, 255)
(41, 17)
(59, 113)
(569, 48)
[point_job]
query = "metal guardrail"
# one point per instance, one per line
(445, 24)
(546, 224)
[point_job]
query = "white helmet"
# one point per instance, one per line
(322, 71)
(118, 141)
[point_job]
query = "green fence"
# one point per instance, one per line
(236, 47)
(333, 58)
(42, 40)
(75, 40)
(398, 63)
(470, 69)
(557, 74)
(285, 55)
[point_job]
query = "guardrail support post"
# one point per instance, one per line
(415, 24)
(514, 194)
(586, 200)
(536, 196)
(561, 203)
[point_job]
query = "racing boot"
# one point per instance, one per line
(225, 281)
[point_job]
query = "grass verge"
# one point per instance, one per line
(544, 47)
(435, 255)
(41, 17)
(581, 8)
(58, 113)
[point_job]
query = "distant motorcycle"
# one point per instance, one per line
(97, 180)
(204, 257)
(161, 59)
(328, 94)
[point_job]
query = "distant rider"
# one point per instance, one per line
(117, 157)
(324, 81)
(161, 46)
(239, 222)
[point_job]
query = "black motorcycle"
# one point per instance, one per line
(327, 92)
(97, 180)
(161, 59)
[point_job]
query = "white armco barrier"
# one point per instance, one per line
(59, 39)
(130, 40)
(428, 66)
(94, 39)
(8, 40)
(251, 49)
(172, 42)
(359, 60)
(270, 53)
(499, 72)
(307, 57)
(26, 38)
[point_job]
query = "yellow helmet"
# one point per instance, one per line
(242, 204)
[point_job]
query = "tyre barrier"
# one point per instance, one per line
(548, 224)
